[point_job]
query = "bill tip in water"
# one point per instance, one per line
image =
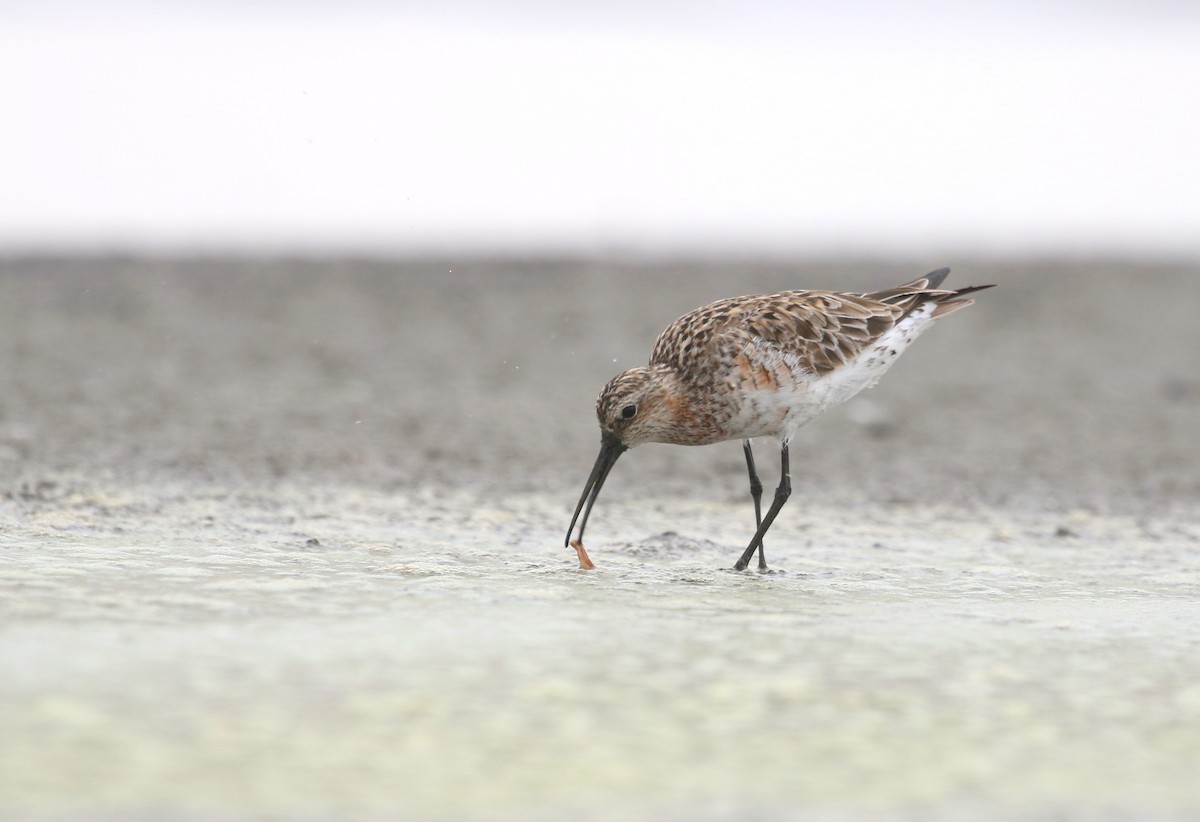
(584, 562)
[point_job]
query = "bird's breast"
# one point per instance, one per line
(759, 393)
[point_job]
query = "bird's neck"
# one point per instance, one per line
(693, 421)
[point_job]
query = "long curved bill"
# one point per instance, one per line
(610, 449)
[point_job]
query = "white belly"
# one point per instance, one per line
(839, 385)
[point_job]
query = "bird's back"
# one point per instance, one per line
(766, 364)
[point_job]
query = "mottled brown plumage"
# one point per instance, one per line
(823, 329)
(762, 365)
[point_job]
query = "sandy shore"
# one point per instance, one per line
(284, 539)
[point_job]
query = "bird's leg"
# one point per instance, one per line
(781, 495)
(756, 495)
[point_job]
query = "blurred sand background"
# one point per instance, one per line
(283, 538)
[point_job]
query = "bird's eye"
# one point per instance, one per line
(628, 411)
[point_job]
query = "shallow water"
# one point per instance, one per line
(440, 656)
(283, 539)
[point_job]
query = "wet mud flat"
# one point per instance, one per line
(284, 539)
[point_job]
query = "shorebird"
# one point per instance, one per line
(759, 366)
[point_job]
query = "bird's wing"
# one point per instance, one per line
(821, 329)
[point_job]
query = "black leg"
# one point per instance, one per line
(756, 495)
(781, 496)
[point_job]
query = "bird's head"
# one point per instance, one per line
(639, 405)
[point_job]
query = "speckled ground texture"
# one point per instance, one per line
(283, 539)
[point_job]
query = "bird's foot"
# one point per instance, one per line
(743, 563)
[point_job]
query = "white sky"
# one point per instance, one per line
(1010, 128)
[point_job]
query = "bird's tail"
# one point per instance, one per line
(953, 300)
(924, 290)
